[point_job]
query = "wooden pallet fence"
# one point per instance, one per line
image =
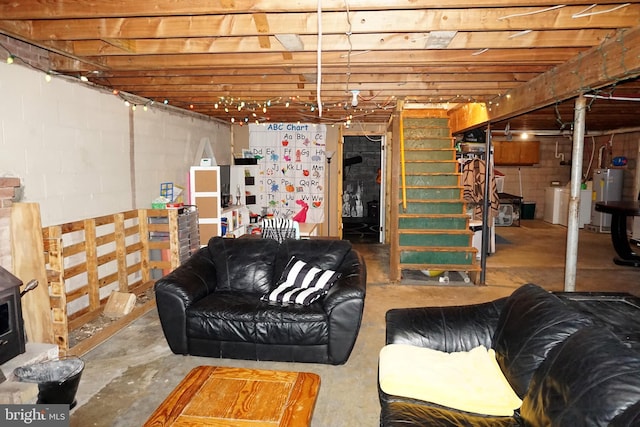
(89, 259)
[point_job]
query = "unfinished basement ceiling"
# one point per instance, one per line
(311, 61)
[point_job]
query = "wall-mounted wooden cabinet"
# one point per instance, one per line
(516, 153)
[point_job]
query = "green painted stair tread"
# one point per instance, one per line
(438, 175)
(437, 257)
(434, 208)
(428, 156)
(433, 216)
(422, 148)
(438, 203)
(432, 180)
(433, 223)
(440, 187)
(450, 188)
(437, 249)
(435, 201)
(425, 122)
(432, 173)
(463, 231)
(416, 160)
(427, 143)
(435, 240)
(443, 267)
(445, 167)
(426, 132)
(433, 193)
(430, 187)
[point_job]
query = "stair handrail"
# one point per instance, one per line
(402, 165)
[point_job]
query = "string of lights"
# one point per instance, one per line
(240, 111)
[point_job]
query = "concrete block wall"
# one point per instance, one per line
(531, 181)
(80, 152)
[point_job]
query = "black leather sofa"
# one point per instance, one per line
(211, 305)
(573, 358)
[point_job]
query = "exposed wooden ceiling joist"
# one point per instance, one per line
(200, 53)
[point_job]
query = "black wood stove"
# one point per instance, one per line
(12, 337)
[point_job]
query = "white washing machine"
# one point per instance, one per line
(556, 206)
(555, 209)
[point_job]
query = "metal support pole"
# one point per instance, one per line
(577, 154)
(484, 245)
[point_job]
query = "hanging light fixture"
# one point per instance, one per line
(354, 98)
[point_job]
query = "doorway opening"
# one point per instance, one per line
(362, 189)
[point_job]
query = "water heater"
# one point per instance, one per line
(607, 187)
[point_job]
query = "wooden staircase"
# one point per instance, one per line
(431, 221)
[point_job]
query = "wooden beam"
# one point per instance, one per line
(328, 77)
(31, 9)
(468, 115)
(549, 56)
(334, 23)
(362, 42)
(614, 61)
(516, 72)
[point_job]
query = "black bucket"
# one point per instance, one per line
(57, 380)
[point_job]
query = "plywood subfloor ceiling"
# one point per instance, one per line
(283, 61)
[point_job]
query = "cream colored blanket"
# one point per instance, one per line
(468, 381)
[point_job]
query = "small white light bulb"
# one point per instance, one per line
(354, 98)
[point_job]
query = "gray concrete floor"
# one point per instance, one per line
(129, 375)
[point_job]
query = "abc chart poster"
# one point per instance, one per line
(291, 169)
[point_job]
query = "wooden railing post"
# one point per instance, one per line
(90, 248)
(143, 233)
(121, 252)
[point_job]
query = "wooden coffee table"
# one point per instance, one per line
(222, 396)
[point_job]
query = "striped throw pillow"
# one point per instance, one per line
(298, 273)
(301, 283)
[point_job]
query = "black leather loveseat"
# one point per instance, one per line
(572, 358)
(213, 304)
